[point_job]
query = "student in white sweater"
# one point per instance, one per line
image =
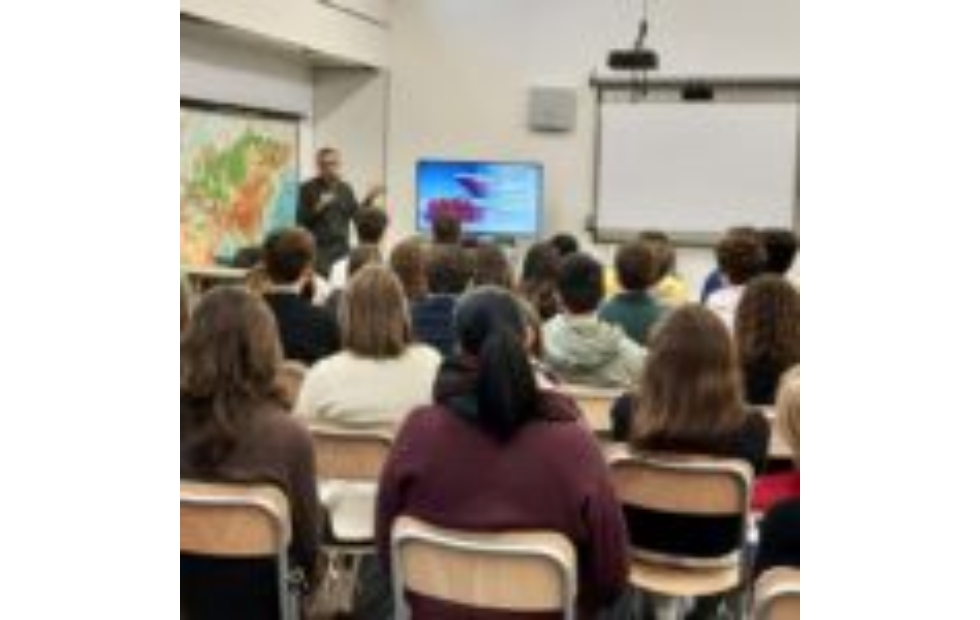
(380, 376)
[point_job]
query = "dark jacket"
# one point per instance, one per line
(272, 449)
(326, 210)
(779, 540)
(447, 471)
(432, 323)
(308, 333)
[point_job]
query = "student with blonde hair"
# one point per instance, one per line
(778, 487)
(779, 539)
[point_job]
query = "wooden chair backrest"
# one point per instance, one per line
(517, 571)
(233, 521)
(777, 595)
(350, 455)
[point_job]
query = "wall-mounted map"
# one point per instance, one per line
(239, 179)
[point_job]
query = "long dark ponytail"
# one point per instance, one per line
(491, 328)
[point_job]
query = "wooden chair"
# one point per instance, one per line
(528, 572)
(777, 595)
(596, 405)
(349, 463)
(685, 486)
(239, 522)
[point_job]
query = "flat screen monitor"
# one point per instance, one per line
(491, 199)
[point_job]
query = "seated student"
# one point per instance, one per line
(497, 453)
(491, 267)
(775, 488)
(690, 402)
(447, 229)
(578, 346)
(635, 310)
(539, 280)
(308, 333)
(782, 247)
(359, 258)
(779, 538)
(407, 261)
(741, 257)
(767, 336)
(671, 291)
(380, 376)
(565, 244)
(448, 273)
(690, 396)
(370, 224)
(235, 428)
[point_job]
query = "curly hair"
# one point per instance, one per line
(741, 255)
(767, 329)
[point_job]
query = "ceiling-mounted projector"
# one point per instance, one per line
(634, 60)
(639, 57)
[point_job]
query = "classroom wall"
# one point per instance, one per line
(223, 70)
(355, 31)
(351, 112)
(461, 73)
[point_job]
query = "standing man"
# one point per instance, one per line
(326, 207)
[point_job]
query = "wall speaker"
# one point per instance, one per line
(553, 109)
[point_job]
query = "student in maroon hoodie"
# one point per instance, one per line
(495, 453)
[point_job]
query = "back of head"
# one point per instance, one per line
(408, 262)
(782, 246)
(541, 264)
(662, 247)
(288, 256)
(361, 257)
(788, 411)
(581, 284)
(229, 357)
(767, 323)
(374, 315)
(565, 244)
(446, 229)
(741, 255)
(491, 328)
(492, 268)
(691, 389)
(448, 270)
(637, 267)
(370, 224)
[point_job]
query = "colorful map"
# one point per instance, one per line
(239, 179)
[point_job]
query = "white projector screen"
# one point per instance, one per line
(696, 169)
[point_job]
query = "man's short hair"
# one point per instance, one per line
(287, 254)
(637, 266)
(565, 244)
(782, 246)
(741, 255)
(448, 270)
(581, 284)
(371, 224)
(446, 229)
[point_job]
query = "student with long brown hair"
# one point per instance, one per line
(767, 335)
(690, 402)
(236, 428)
(380, 375)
